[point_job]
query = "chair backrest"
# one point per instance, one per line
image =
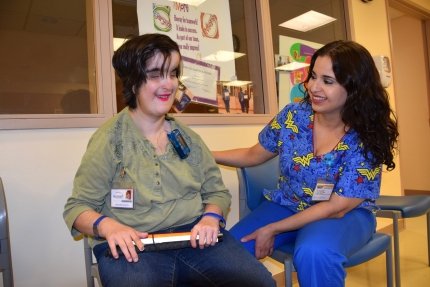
(5, 253)
(252, 181)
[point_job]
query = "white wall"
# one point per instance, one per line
(38, 166)
(37, 169)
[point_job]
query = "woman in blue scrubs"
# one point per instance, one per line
(332, 147)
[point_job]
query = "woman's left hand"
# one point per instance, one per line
(207, 229)
(264, 239)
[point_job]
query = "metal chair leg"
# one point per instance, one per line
(396, 216)
(428, 237)
(288, 269)
(389, 265)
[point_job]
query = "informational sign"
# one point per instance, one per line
(203, 34)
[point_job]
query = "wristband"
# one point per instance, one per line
(217, 216)
(95, 227)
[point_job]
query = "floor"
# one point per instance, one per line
(415, 271)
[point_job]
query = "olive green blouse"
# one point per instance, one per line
(167, 191)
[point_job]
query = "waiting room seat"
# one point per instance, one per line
(91, 267)
(406, 206)
(5, 254)
(252, 181)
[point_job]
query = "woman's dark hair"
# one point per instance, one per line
(130, 61)
(367, 108)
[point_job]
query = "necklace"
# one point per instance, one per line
(159, 142)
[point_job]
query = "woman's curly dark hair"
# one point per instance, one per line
(130, 60)
(367, 108)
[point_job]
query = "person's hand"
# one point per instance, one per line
(123, 236)
(264, 238)
(207, 229)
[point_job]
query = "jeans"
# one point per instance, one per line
(225, 264)
(321, 247)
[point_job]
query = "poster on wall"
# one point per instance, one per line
(296, 56)
(203, 33)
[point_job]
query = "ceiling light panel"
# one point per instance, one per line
(308, 21)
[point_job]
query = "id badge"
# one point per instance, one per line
(122, 198)
(323, 190)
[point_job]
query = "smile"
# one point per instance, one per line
(164, 98)
(318, 99)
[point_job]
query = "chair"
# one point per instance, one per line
(252, 180)
(406, 206)
(5, 254)
(91, 267)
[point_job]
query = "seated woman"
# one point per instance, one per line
(331, 149)
(133, 181)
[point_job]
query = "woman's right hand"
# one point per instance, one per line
(264, 240)
(125, 237)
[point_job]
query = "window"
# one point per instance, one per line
(51, 72)
(47, 71)
(56, 70)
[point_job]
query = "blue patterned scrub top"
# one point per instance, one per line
(290, 135)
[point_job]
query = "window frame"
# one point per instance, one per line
(101, 12)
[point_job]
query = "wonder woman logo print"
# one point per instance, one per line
(290, 135)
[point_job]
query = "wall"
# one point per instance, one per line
(411, 94)
(370, 28)
(37, 168)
